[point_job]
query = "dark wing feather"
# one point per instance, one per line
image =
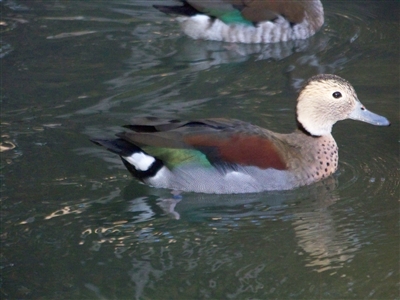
(221, 140)
(185, 10)
(252, 10)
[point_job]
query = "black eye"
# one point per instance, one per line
(337, 95)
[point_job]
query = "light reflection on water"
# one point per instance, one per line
(73, 217)
(324, 242)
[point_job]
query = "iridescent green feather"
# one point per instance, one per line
(174, 157)
(229, 17)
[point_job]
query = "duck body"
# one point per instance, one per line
(230, 156)
(247, 21)
(222, 156)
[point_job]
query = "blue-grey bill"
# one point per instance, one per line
(360, 113)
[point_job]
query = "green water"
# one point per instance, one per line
(74, 225)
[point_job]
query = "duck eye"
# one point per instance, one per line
(337, 95)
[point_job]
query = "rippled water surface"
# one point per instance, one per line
(74, 225)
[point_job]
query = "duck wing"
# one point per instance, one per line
(239, 11)
(220, 141)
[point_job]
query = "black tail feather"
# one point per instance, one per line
(118, 146)
(141, 175)
(126, 149)
(185, 10)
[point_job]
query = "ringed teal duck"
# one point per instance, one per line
(248, 21)
(231, 156)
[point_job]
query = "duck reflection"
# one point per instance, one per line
(243, 238)
(308, 211)
(166, 72)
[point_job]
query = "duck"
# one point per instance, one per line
(248, 21)
(230, 156)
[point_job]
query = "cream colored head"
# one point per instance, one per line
(326, 99)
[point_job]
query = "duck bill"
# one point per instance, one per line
(362, 114)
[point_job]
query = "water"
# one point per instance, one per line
(74, 225)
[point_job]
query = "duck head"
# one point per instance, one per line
(326, 99)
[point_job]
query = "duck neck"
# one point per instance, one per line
(302, 129)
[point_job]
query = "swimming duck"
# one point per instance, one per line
(248, 21)
(231, 156)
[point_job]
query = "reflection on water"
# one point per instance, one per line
(75, 225)
(152, 248)
(151, 80)
(328, 247)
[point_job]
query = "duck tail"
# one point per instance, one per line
(185, 10)
(140, 164)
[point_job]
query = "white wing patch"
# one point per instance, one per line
(140, 161)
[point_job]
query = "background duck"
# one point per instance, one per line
(231, 156)
(248, 21)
